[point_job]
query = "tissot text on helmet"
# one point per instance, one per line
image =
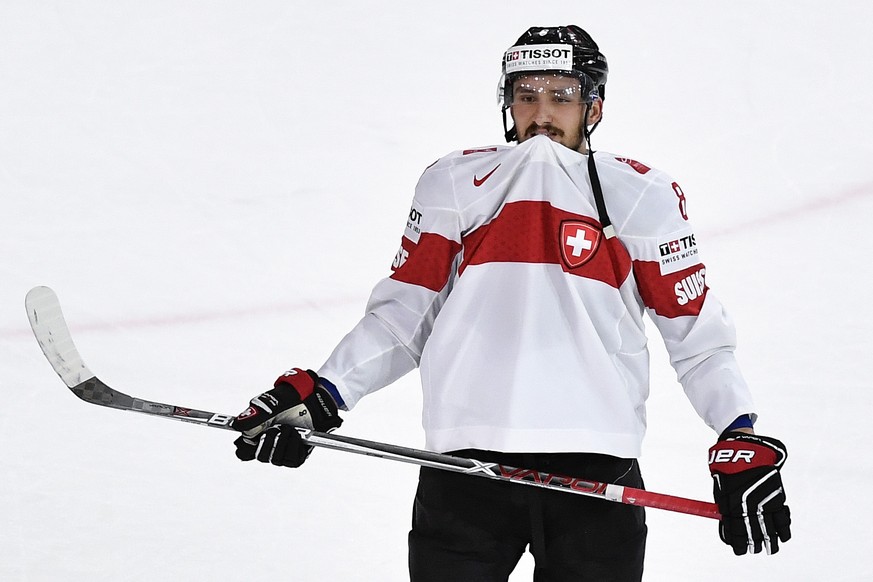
(539, 58)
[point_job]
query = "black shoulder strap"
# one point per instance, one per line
(608, 229)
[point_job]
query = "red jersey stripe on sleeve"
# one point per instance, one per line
(673, 295)
(428, 263)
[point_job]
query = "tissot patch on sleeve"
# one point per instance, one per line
(677, 253)
(413, 225)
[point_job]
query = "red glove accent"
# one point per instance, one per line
(730, 456)
(303, 382)
(290, 390)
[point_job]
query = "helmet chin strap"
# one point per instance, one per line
(586, 133)
(509, 133)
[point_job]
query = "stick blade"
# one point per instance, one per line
(53, 335)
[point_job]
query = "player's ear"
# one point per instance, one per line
(595, 111)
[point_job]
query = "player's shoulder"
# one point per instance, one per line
(469, 156)
(634, 182)
(627, 167)
(455, 171)
(642, 199)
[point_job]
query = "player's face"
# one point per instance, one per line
(551, 105)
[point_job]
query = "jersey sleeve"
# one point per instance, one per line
(388, 341)
(699, 335)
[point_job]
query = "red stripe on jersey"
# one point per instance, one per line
(673, 295)
(428, 263)
(530, 232)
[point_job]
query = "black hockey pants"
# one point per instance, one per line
(471, 529)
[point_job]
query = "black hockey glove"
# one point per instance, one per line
(297, 400)
(280, 445)
(747, 487)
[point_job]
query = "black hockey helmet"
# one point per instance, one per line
(566, 50)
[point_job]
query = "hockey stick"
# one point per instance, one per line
(50, 329)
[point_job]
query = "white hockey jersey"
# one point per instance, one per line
(527, 321)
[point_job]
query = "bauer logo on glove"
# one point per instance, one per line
(747, 487)
(742, 458)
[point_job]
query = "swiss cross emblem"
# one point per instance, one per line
(579, 241)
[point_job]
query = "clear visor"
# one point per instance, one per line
(561, 90)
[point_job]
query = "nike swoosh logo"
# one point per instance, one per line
(478, 182)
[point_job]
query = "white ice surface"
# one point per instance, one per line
(213, 187)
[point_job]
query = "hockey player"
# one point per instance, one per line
(519, 290)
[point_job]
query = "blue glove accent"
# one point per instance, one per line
(742, 421)
(334, 393)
